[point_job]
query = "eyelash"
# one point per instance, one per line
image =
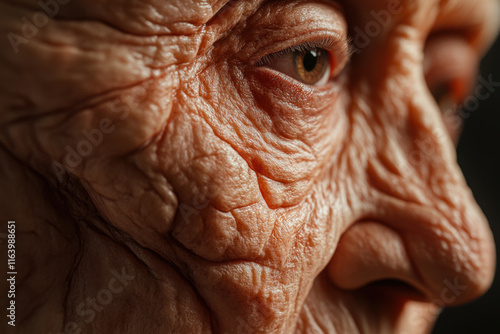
(327, 43)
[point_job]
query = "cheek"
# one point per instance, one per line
(221, 213)
(204, 168)
(284, 135)
(81, 140)
(233, 154)
(111, 149)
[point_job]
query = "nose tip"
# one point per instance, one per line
(455, 259)
(448, 262)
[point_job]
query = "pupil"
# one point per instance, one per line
(310, 60)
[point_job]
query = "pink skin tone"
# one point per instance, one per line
(229, 196)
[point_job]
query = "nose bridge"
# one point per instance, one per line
(449, 240)
(429, 153)
(424, 195)
(410, 137)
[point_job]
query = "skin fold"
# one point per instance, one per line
(206, 194)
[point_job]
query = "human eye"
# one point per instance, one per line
(313, 62)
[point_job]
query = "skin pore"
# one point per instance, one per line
(152, 153)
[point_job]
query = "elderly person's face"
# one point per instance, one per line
(259, 166)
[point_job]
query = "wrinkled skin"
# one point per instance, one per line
(238, 200)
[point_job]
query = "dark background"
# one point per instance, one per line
(479, 158)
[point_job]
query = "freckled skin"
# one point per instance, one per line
(237, 200)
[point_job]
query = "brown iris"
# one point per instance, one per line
(311, 65)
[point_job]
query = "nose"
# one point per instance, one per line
(421, 224)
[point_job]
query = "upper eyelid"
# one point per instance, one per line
(331, 45)
(340, 45)
(276, 26)
(300, 47)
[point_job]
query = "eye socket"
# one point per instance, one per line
(450, 66)
(312, 63)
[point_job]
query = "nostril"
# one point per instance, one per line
(394, 289)
(369, 252)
